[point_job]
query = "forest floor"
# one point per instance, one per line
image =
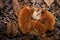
(9, 19)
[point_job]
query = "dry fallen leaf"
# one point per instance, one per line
(58, 1)
(11, 30)
(16, 6)
(48, 2)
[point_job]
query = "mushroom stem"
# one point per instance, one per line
(36, 15)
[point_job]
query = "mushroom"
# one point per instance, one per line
(30, 18)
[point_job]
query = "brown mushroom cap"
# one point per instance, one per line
(24, 19)
(26, 24)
